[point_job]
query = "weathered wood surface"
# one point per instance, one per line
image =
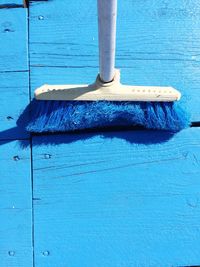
(11, 3)
(157, 43)
(118, 199)
(16, 248)
(14, 76)
(15, 205)
(115, 199)
(13, 34)
(14, 97)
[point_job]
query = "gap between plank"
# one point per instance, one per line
(26, 2)
(2, 6)
(195, 124)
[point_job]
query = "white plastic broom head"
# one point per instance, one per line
(111, 91)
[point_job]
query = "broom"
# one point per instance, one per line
(106, 102)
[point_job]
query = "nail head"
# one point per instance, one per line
(11, 253)
(47, 156)
(9, 118)
(46, 253)
(16, 158)
(6, 30)
(40, 17)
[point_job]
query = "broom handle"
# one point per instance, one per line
(107, 17)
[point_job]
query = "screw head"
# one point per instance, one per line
(47, 156)
(40, 17)
(9, 118)
(7, 30)
(11, 253)
(46, 253)
(16, 158)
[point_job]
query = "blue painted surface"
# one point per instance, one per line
(157, 44)
(13, 34)
(14, 76)
(14, 97)
(15, 205)
(117, 199)
(11, 3)
(15, 156)
(112, 199)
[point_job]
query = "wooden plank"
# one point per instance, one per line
(11, 3)
(15, 205)
(15, 157)
(14, 98)
(13, 35)
(14, 75)
(158, 43)
(117, 199)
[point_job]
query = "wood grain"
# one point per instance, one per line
(15, 156)
(14, 98)
(117, 199)
(11, 3)
(15, 205)
(13, 35)
(14, 75)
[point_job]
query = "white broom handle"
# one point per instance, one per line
(107, 17)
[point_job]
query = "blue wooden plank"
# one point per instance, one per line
(15, 205)
(14, 75)
(158, 43)
(11, 2)
(15, 157)
(117, 199)
(13, 35)
(150, 30)
(13, 98)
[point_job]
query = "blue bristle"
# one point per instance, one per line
(63, 116)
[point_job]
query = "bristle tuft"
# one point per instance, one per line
(64, 116)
